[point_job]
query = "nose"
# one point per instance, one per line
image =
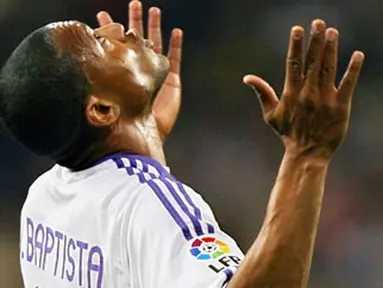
(134, 36)
(113, 31)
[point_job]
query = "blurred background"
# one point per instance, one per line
(220, 145)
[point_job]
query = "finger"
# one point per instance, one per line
(135, 16)
(350, 79)
(154, 28)
(330, 60)
(314, 54)
(175, 51)
(294, 62)
(266, 95)
(114, 31)
(104, 18)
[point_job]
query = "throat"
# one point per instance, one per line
(147, 139)
(139, 136)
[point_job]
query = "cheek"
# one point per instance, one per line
(123, 81)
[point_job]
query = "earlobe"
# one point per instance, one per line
(102, 112)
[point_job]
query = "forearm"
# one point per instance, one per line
(281, 255)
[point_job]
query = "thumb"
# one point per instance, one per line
(266, 95)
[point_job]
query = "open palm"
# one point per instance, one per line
(168, 101)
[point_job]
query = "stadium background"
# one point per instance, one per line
(220, 145)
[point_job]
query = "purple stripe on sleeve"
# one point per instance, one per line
(195, 221)
(197, 211)
(161, 196)
(194, 214)
(176, 217)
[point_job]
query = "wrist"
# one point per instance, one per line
(309, 158)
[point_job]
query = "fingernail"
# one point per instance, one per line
(316, 26)
(296, 32)
(358, 56)
(332, 35)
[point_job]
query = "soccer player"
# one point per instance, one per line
(110, 213)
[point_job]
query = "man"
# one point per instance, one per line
(110, 213)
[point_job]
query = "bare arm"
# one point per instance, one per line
(312, 119)
(281, 255)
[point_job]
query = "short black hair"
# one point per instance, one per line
(43, 93)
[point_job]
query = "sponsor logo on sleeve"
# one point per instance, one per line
(208, 248)
(215, 252)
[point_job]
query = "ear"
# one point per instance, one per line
(102, 112)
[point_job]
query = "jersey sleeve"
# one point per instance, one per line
(174, 240)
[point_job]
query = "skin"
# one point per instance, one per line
(138, 98)
(311, 118)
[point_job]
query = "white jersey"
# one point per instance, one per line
(124, 223)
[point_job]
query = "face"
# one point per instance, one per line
(120, 64)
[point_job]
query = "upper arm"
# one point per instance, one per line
(174, 240)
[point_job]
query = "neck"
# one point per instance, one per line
(138, 137)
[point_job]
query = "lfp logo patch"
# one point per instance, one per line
(208, 248)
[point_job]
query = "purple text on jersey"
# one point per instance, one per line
(67, 254)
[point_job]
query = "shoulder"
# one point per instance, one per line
(167, 206)
(39, 186)
(104, 187)
(41, 180)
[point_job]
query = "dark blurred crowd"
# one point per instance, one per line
(220, 145)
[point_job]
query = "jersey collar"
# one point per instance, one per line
(143, 163)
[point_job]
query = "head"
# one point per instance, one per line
(67, 87)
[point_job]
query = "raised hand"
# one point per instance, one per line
(168, 101)
(312, 115)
